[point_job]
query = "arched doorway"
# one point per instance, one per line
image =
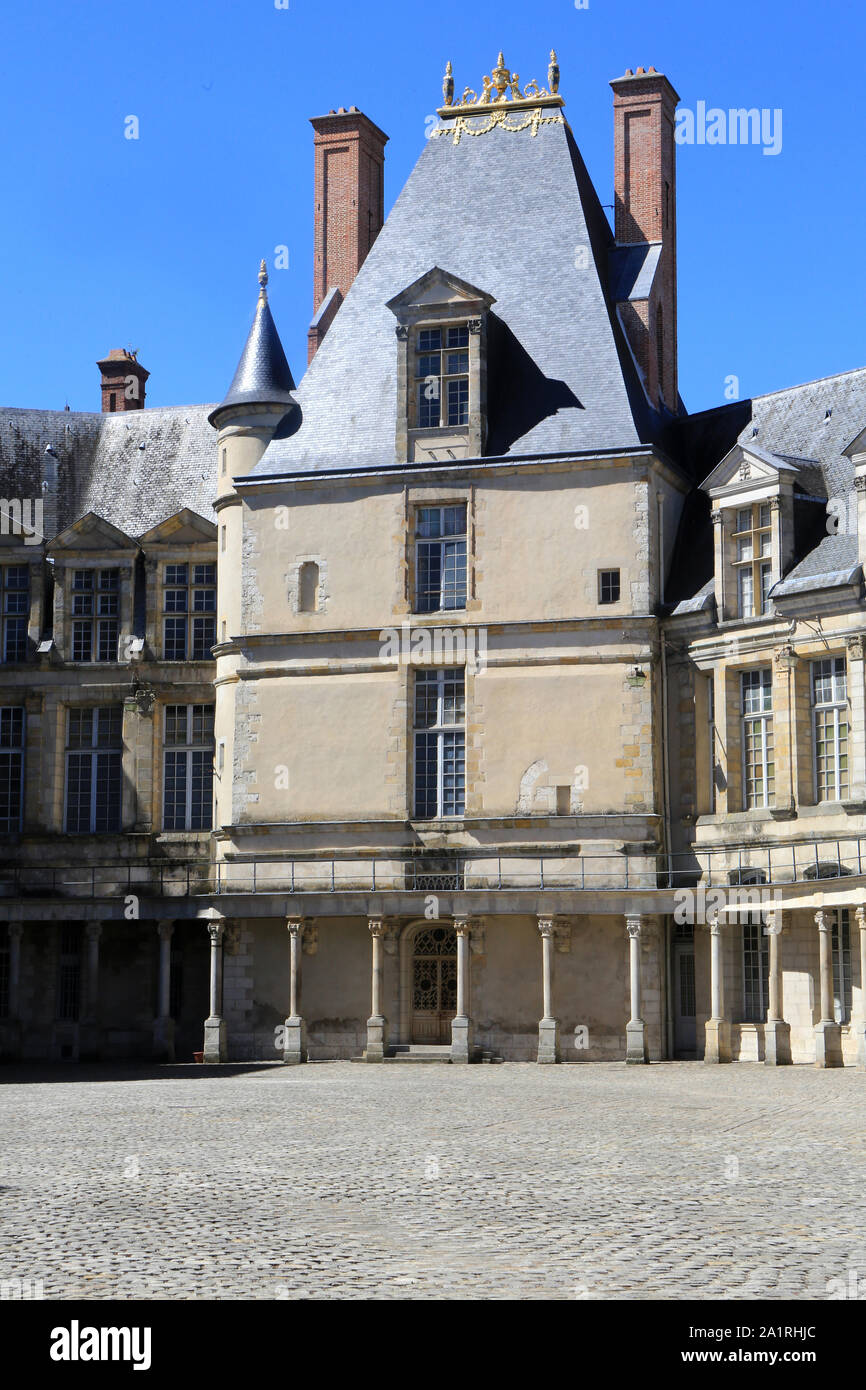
(433, 983)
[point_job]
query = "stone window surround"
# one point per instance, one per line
(190, 553)
(416, 498)
(65, 566)
(779, 496)
(293, 585)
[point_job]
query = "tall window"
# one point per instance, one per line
(308, 587)
(93, 769)
(11, 766)
(756, 970)
(69, 972)
(189, 608)
(95, 598)
(188, 767)
(841, 966)
(442, 376)
(15, 582)
(759, 771)
(440, 558)
(440, 743)
(753, 539)
(830, 728)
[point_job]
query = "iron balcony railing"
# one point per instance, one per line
(478, 871)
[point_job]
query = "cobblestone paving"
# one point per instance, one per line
(343, 1181)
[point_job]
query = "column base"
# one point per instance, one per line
(377, 1039)
(828, 1044)
(461, 1029)
(777, 1043)
(163, 1039)
(548, 1040)
(636, 1049)
(295, 1044)
(215, 1040)
(717, 1047)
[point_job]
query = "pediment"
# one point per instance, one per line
(439, 287)
(744, 467)
(184, 528)
(92, 532)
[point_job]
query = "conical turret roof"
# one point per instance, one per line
(263, 375)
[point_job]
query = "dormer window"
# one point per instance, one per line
(442, 376)
(441, 406)
(753, 538)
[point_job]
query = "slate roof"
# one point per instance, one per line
(506, 211)
(262, 375)
(807, 426)
(99, 466)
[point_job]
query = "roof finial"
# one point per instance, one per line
(263, 280)
(553, 74)
(448, 85)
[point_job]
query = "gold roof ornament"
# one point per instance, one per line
(500, 94)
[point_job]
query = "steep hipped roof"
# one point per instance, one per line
(514, 214)
(263, 376)
(133, 468)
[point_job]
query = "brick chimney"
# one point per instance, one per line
(645, 189)
(349, 208)
(123, 379)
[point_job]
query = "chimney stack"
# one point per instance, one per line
(123, 379)
(349, 208)
(645, 189)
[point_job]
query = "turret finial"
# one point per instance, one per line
(263, 280)
(553, 74)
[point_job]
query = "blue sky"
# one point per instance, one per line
(154, 243)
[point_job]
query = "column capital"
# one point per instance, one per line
(715, 925)
(165, 929)
(462, 926)
(856, 647)
(859, 917)
(295, 925)
(216, 930)
(376, 926)
(93, 931)
(774, 922)
(822, 920)
(547, 927)
(633, 924)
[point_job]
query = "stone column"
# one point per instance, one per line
(717, 1047)
(215, 1040)
(89, 1033)
(460, 1024)
(163, 1024)
(377, 1024)
(636, 1049)
(295, 1044)
(828, 1033)
(548, 1026)
(777, 1033)
(860, 1025)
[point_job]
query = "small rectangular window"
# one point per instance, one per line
(608, 586)
(830, 728)
(442, 377)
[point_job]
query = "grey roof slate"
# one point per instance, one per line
(506, 211)
(833, 555)
(262, 375)
(632, 270)
(98, 465)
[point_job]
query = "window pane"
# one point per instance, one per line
(458, 336)
(174, 643)
(429, 339)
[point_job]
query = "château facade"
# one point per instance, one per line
(468, 700)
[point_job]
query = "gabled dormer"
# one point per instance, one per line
(94, 583)
(180, 557)
(752, 494)
(441, 368)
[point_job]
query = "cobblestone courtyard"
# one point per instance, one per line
(343, 1181)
